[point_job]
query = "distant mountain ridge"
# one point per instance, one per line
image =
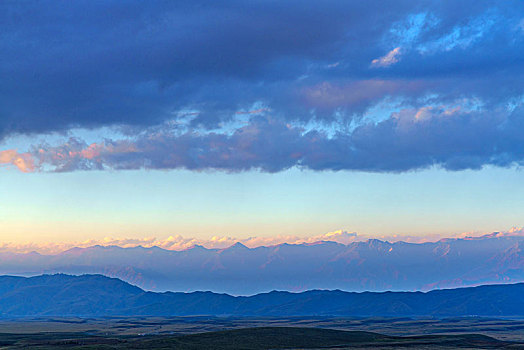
(373, 265)
(97, 295)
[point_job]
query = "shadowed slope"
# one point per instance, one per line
(96, 295)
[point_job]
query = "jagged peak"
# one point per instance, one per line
(238, 245)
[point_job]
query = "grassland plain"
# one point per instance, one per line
(261, 333)
(255, 339)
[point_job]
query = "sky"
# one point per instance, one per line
(205, 122)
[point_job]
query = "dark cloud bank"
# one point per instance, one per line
(329, 85)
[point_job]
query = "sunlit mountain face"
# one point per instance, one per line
(242, 147)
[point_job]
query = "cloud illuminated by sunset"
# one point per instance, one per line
(23, 161)
(178, 242)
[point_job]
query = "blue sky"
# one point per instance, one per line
(78, 206)
(260, 118)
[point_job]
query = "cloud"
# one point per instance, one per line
(452, 136)
(243, 86)
(357, 95)
(461, 36)
(92, 64)
(178, 242)
(388, 59)
(24, 162)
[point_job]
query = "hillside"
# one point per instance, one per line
(96, 295)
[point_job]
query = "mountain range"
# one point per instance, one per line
(97, 295)
(373, 265)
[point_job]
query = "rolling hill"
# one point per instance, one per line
(97, 295)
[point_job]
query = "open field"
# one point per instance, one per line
(255, 339)
(503, 329)
(261, 333)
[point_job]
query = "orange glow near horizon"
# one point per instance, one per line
(23, 161)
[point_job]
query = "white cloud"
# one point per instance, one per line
(387, 60)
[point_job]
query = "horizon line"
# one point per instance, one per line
(338, 237)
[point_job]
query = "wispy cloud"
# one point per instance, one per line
(461, 36)
(388, 59)
(359, 94)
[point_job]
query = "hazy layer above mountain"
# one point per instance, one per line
(373, 265)
(96, 295)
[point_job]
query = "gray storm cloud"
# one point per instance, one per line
(136, 66)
